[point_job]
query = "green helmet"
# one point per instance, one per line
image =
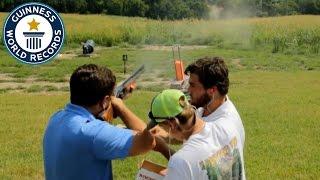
(166, 105)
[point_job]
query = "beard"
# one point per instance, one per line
(202, 101)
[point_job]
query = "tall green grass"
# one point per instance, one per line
(291, 34)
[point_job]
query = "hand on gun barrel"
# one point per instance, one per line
(127, 90)
(111, 113)
(122, 91)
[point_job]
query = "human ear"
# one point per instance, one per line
(211, 90)
(182, 101)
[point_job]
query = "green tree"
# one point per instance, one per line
(114, 7)
(198, 8)
(309, 6)
(136, 8)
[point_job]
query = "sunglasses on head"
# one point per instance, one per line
(155, 120)
(158, 119)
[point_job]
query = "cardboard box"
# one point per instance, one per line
(150, 171)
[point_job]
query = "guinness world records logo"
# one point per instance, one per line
(33, 33)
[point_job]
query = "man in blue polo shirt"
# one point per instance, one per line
(77, 145)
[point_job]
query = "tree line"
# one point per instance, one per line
(267, 7)
(177, 9)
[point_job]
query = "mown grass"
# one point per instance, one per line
(280, 112)
(59, 70)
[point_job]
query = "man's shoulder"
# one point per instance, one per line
(226, 114)
(178, 160)
(77, 123)
(64, 116)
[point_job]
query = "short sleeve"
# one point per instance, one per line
(112, 142)
(178, 169)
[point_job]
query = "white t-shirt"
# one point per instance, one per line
(214, 153)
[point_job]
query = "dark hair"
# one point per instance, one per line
(212, 71)
(89, 83)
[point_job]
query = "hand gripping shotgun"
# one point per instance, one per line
(122, 90)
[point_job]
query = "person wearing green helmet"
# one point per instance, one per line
(172, 111)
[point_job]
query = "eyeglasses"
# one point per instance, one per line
(158, 119)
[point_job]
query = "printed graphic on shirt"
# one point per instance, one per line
(224, 164)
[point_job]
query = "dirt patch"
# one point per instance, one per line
(75, 54)
(154, 83)
(152, 80)
(26, 85)
(18, 84)
(237, 63)
(7, 77)
(169, 48)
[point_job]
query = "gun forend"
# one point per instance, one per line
(128, 84)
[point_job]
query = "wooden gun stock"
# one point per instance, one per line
(108, 115)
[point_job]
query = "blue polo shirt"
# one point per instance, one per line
(76, 145)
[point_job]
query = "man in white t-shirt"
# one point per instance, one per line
(208, 88)
(215, 152)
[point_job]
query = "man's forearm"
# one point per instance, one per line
(142, 142)
(130, 119)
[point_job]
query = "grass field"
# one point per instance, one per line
(277, 94)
